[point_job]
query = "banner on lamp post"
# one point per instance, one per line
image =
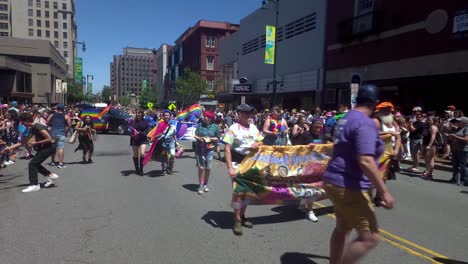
(78, 69)
(90, 88)
(144, 85)
(270, 45)
(64, 87)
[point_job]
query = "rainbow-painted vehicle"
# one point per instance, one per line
(115, 121)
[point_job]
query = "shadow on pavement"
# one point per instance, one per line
(76, 162)
(410, 173)
(128, 172)
(222, 219)
(155, 173)
(111, 154)
(191, 187)
(449, 261)
(465, 192)
(299, 258)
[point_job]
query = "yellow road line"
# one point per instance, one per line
(400, 246)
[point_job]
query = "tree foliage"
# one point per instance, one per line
(75, 92)
(106, 93)
(124, 100)
(189, 87)
(149, 95)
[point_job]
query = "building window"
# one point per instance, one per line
(47, 14)
(65, 45)
(65, 54)
(210, 84)
(31, 32)
(46, 4)
(210, 63)
(30, 3)
(55, 34)
(65, 26)
(364, 7)
(56, 44)
(55, 24)
(30, 22)
(55, 15)
(64, 6)
(55, 5)
(3, 16)
(47, 34)
(3, 7)
(38, 13)
(38, 3)
(64, 15)
(38, 23)
(30, 12)
(4, 34)
(47, 24)
(3, 25)
(39, 33)
(65, 35)
(210, 42)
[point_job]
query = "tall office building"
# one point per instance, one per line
(52, 20)
(130, 70)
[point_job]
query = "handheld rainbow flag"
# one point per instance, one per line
(152, 133)
(194, 109)
(104, 111)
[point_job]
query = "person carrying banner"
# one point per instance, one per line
(350, 174)
(240, 139)
(138, 140)
(207, 137)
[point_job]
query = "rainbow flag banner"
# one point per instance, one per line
(283, 174)
(194, 109)
(104, 112)
(94, 114)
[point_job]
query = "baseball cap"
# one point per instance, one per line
(367, 93)
(463, 119)
(451, 107)
(14, 103)
(60, 107)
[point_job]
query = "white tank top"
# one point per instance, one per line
(385, 128)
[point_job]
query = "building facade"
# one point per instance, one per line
(197, 49)
(299, 55)
(131, 71)
(31, 71)
(51, 20)
(162, 59)
(415, 52)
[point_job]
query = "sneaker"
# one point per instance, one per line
(8, 163)
(53, 176)
(90, 160)
(200, 190)
(205, 188)
(61, 166)
(237, 229)
(32, 188)
(49, 183)
(312, 217)
(52, 164)
(246, 223)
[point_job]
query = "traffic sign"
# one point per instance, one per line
(150, 105)
(172, 107)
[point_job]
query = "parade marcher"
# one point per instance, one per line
(167, 144)
(390, 135)
(43, 143)
(416, 128)
(460, 150)
(317, 134)
(138, 140)
(275, 128)
(430, 145)
(240, 139)
(207, 136)
(350, 174)
(59, 122)
(85, 137)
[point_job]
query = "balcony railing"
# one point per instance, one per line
(360, 26)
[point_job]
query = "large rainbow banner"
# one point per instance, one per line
(194, 109)
(94, 114)
(282, 174)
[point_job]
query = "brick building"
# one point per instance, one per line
(416, 52)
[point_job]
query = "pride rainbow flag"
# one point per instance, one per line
(94, 114)
(104, 112)
(194, 109)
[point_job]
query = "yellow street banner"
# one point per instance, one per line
(270, 45)
(282, 174)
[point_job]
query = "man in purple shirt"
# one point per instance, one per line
(350, 175)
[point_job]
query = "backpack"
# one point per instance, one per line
(439, 140)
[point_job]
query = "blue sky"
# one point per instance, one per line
(107, 26)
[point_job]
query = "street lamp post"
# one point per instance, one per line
(274, 82)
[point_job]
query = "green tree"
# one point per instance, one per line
(124, 100)
(149, 95)
(106, 93)
(189, 87)
(75, 92)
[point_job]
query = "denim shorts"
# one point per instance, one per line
(60, 140)
(205, 160)
(415, 145)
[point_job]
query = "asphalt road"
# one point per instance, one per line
(103, 213)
